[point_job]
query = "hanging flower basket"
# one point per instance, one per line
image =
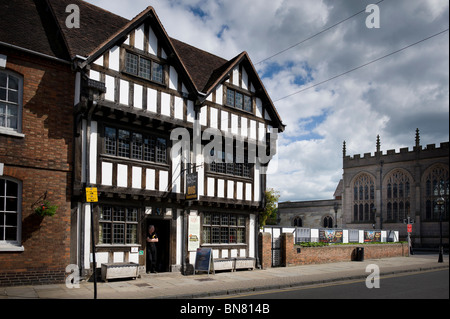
(46, 209)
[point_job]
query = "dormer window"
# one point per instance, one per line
(239, 100)
(144, 68)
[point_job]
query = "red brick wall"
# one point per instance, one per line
(292, 255)
(42, 161)
(265, 250)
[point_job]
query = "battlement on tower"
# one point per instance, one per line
(404, 154)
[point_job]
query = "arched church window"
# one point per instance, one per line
(364, 198)
(398, 195)
(436, 181)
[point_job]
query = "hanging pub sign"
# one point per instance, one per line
(191, 186)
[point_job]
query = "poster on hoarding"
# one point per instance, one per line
(330, 236)
(372, 236)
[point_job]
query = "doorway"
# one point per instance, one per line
(162, 229)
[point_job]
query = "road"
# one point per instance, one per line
(419, 285)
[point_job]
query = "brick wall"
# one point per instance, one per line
(292, 255)
(42, 162)
(265, 250)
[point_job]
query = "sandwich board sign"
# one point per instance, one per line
(204, 260)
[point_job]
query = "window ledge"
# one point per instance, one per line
(13, 133)
(10, 247)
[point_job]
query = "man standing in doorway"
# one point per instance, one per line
(152, 239)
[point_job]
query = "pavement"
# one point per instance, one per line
(178, 286)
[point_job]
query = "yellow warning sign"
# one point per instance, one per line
(91, 195)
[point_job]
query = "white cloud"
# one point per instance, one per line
(391, 97)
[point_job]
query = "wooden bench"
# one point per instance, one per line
(119, 270)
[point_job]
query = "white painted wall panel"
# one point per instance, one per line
(122, 175)
(163, 180)
(93, 154)
(204, 115)
(110, 87)
(178, 108)
(124, 92)
(190, 111)
(234, 124)
(230, 189)
(165, 104)
(251, 235)
(256, 184)
(244, 127)
(150, 179)
(210, 187)
(252, 129)
(99, 61)
(224, 121)
(239, 191)
(114, 58)
(248, 191)
(107, 170)
(138, 89)
(173, 78)
(152, 100)
(213, 117)
(261, 131)
(259, 108)
(152, 42)
(219, 94)
(136, 181)
(221, 188)
(244, 79)
(236, 76)
(139, 37)
(94, 75)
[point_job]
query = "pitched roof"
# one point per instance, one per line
(29, 24)
(96, 25)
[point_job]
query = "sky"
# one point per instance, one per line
(301, 47)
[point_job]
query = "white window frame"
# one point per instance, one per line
(14, 245)
(10, 131)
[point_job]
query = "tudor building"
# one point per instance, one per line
(135, 88)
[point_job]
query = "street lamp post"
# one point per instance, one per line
(440, 201)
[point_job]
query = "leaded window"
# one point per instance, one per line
(118, 225)
(239, 100)
(144, 68)
(436, 186)
(225, 228)
(124, 143)
(363, 198)
(398, 192)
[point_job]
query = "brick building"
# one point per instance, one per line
(36, 145)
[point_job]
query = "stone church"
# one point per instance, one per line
(381, 191)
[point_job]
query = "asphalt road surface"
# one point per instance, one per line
(432, 284)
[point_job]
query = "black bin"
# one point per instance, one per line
(359, 254)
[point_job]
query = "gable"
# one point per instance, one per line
(237, 85)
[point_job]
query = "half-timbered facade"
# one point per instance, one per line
(134, 90)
